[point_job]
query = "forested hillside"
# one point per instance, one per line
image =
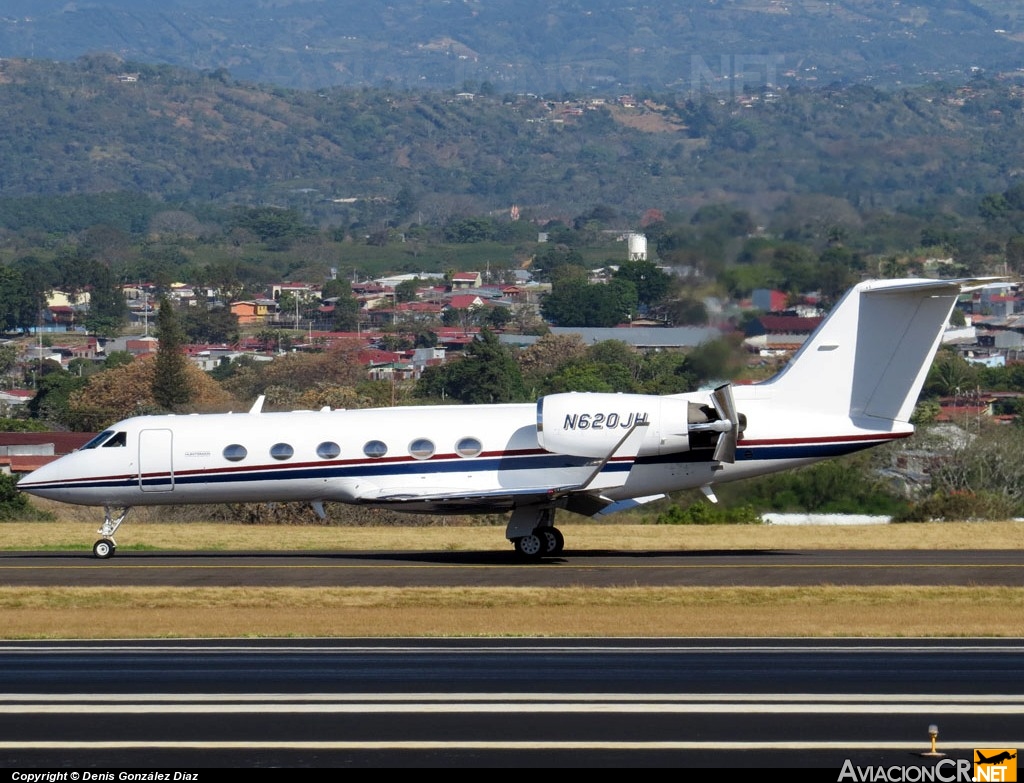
(538, 46)
(390, 156)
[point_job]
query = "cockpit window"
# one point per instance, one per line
(98, 439)
(119, 439)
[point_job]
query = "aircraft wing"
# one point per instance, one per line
(492, 500)
(585, 494)
(577, 500)
(460, 500)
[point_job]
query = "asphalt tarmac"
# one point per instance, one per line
(498, 569)
(835, 706)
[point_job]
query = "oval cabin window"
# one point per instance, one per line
(235, 452)
(421, 448)
(281, 451)
(328, 450)
(468, 447)
(375, 449)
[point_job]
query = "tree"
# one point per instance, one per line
(651, 283)
(170, 389)
(587, 376)
(949, 374)
(53, 391)
(497, 317)
(574, 302)
(715, 360)
(1015, 252)
(117, 359)
(553, 258)
(848, 485)
(14, 504)
(425, 338)
(686, 311)
(8, 358)
(549, 353)
(981, 477)
(346, 308)
(210, 325)
(107, 307)
(407, 290)
(270, 223)
(468, 230)
(286, 378)
(38, 279)
(128, 390)
(18, 307)
(487, 374)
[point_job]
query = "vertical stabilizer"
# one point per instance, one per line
(869, 358)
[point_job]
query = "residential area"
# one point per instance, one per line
(407, 323)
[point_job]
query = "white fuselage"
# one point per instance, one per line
(419, 458)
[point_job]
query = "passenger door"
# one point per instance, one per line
(156, 469)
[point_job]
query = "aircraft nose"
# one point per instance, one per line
(44, 481)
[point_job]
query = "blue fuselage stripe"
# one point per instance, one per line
(500, 463)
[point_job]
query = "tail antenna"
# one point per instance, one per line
(728, 424)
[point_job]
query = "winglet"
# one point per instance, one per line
(257, 407)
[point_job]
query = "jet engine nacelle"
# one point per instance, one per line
(591, 424)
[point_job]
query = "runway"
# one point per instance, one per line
(498, 569)
(186, 705)
(714, 703)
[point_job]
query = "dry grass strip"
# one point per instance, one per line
(145, 533)
(827, 611)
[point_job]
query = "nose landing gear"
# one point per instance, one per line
(106, 546)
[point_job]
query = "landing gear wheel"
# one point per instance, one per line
(531, 547)
(104, 548)
(552, 538)
(560, 541)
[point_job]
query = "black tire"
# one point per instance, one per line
(104, 548)
(559, 541)
(531, 547)
(552, 539)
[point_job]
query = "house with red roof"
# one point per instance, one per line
(23, 452)
(13, 399)
(466, 280)
(769, 300)
(774, 334)
(465, 302)
(967, 408)
(415, 312)
(142, 346)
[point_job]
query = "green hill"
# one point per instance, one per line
(392, 156)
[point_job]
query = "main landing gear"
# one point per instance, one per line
(106, 546)
(542, 542)
(533, 533)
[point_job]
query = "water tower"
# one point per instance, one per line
(637, 246)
